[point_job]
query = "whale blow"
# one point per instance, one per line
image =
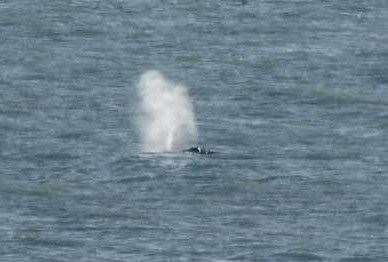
(167, 121)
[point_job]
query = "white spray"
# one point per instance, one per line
(167, 121)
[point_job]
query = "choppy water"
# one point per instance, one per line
(293, 95)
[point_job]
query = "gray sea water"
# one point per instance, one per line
(292, 96)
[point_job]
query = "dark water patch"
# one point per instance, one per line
(46, 258)
(288, 15)
(52, 243)
(5, 83)
(123, 8)
(331, 185)
(83, 72)
(6, 23)
(279, 178)
(15, 113)
(243, 222)
(142, 230)
(57, 37)
(239, 157)
(47, 190)
(86, 33)
(134, 179)
(77, 136)
(371, 54)
(149, 200)
(193, 202)
(341, 97)
(246, 256)
(353, 8)
(7, 126)
(188, 59)
(100, 215)
(278, 93)
(34, 77)
(380, 74)
(81, 228)
(33, 189)
(326, 156)
(380, 220)
(125, 161)
(383, 123)
(364, 259)
(54, 156)
(265, 65)
(297, 256)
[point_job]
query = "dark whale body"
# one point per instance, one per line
(199, 150)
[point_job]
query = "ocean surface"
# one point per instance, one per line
(292, 95)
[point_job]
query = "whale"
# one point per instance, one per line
(199, 150)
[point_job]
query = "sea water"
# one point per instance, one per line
(291, 95)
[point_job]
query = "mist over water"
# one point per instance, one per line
(167, 121)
